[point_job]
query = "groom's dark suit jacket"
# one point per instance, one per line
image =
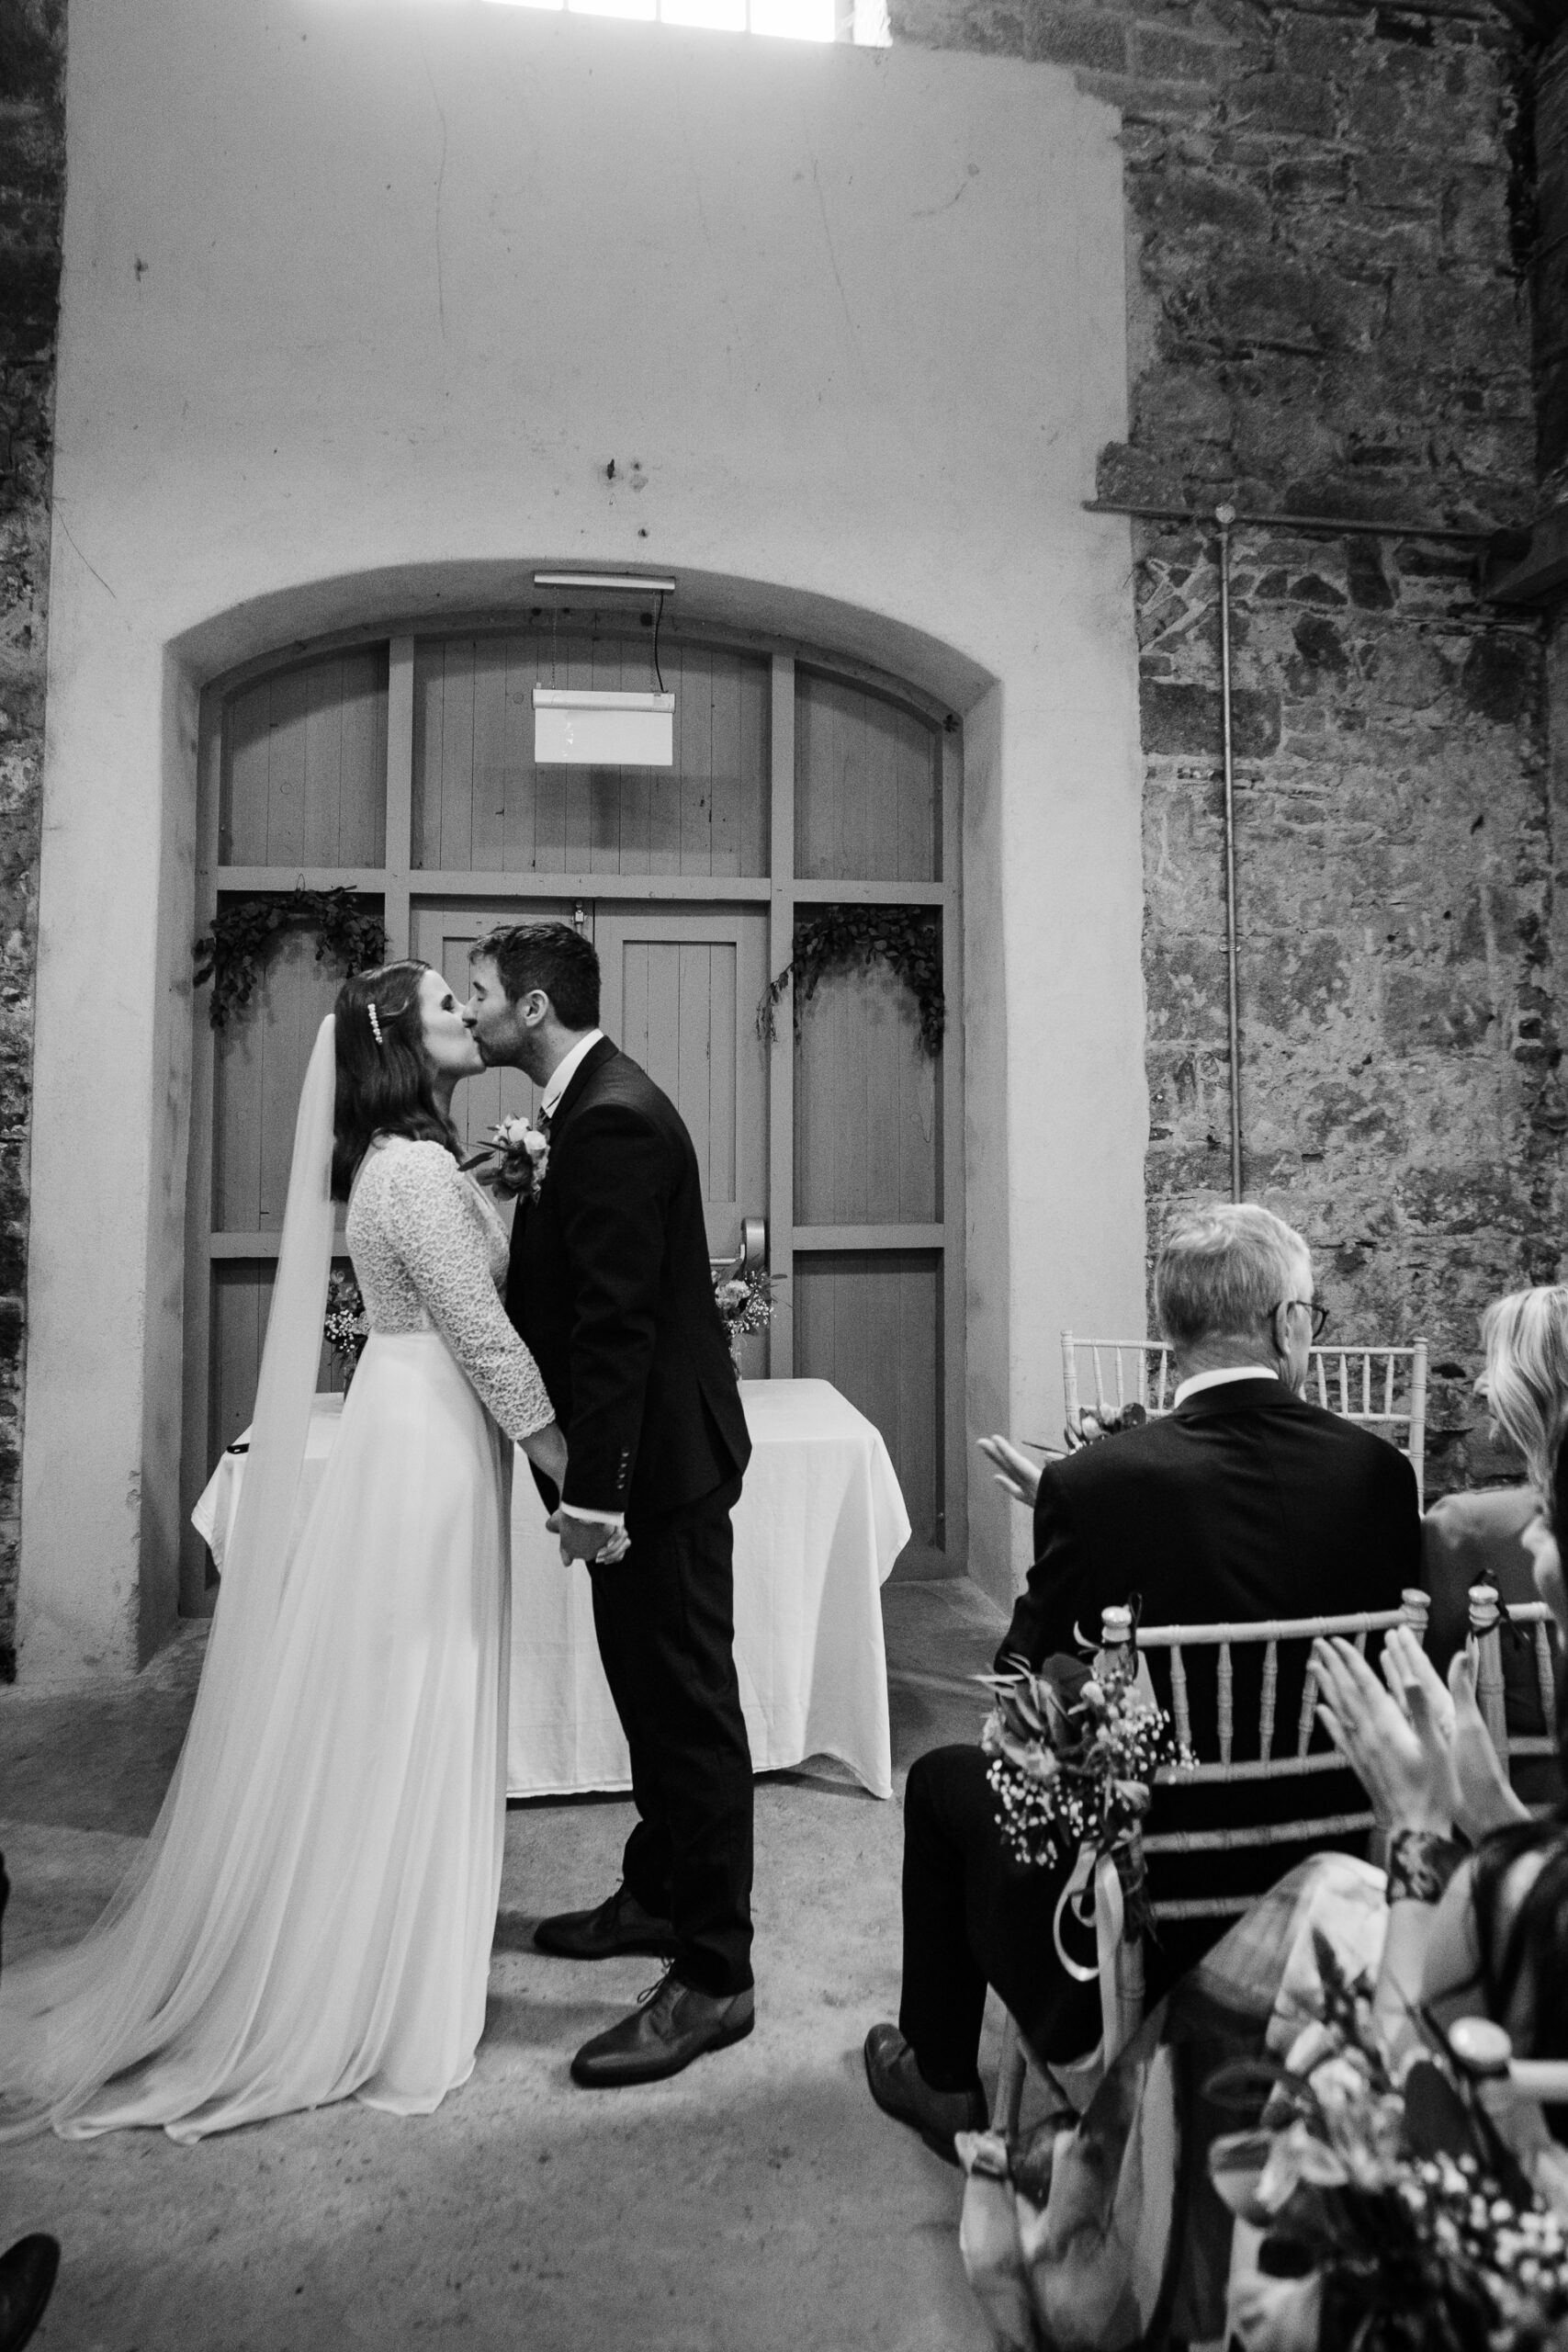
(610, 1287)
(1246, 1502)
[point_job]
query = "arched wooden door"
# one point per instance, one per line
(405, 769)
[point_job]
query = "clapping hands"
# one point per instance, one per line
(1421, 1751)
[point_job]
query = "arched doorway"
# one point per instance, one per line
(402, 765)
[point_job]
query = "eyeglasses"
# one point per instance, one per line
(1315, 1307)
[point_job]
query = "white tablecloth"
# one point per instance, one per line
(820, 1524)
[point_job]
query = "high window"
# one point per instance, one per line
(858, 20)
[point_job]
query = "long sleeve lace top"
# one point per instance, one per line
(430, 1254)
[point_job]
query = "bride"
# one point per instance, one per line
(312, 1918)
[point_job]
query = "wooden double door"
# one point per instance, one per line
(681, 986)
(404, 769)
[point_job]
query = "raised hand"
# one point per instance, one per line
(1485, 1799)
(1414, 1682)
(1393, 1746)
(1486, 1796)
(1015, 1473)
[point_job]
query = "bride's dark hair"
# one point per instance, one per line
(383, 1088)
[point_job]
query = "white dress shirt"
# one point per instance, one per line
(565, 1071)
(1198, 1381)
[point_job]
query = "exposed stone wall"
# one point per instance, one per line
(1551, 287)
(1549, 129)
(1328, 220)
(32, 191)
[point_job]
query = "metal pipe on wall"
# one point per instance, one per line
(1225, 517)
(1332, 527)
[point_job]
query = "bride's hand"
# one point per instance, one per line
(545, 1449)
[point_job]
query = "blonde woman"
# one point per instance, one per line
(1526, 1380)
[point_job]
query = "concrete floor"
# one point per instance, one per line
(756, 2203)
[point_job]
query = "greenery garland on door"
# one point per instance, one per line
(347, 933)
(842, 938)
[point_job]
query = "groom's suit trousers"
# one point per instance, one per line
(665, 1619)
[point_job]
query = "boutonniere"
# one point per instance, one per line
(514, 1160)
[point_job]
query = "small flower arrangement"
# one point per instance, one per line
(1075, 1751)
(1091, 1426)
(515, 1160)
(745, 1304)
(1397, 2220)
(346, 1326)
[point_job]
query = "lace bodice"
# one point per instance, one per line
(430, 1254)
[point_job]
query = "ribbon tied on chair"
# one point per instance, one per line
(1094, 1896)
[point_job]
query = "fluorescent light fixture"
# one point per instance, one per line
(601, 729)
(632, 582)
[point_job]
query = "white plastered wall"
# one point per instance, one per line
(360, 298)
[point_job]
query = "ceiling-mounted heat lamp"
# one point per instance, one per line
(591, 727)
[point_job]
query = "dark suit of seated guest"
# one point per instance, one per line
(1245, 1502)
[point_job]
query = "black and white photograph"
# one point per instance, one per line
(783, 1175)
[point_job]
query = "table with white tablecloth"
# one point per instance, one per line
(820, 1524)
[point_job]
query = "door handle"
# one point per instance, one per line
(752, 1254)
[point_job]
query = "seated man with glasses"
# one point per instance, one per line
(1246, 1501)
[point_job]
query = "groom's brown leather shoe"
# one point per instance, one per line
(26, 2281)
(619, 1925)
(668, 2028)
(900, 2089)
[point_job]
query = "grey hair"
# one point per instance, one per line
(1222, 1272)
(1526, 1339)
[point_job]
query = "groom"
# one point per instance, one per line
(611, 1289)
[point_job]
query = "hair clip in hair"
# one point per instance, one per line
(375, 1022)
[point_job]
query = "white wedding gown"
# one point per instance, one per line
(313, 1917)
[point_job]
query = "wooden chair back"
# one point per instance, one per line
(1486, 1611)
(1291, 1757)
(1283, 1753)
(1385, 1387)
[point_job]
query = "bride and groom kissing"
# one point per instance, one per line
(311, 1918)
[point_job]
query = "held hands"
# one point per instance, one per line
(589, 1539)
(580, 1539)
(1015, 1473)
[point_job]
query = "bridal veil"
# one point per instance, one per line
(167, 1949)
